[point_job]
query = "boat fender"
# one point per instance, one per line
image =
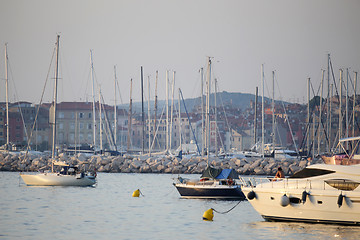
(208, 215)
(136, 193)
(340, 200)
(304, 195)
(284, 201)
(251, 195)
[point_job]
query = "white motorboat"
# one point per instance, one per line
(319, 193)
(68, 176)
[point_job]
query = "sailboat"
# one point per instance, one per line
(68, 175)
(214, 183)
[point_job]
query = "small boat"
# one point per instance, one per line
(345, 157)
(67, 176)
(319, 193)
(213, 184)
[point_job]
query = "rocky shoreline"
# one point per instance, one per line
(153, 164)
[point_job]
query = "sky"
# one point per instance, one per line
(292, 38)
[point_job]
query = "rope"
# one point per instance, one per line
(227, 210)
(141, 193)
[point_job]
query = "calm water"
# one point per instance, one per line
(108, 211)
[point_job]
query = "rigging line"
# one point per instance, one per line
(41, 99)
(17, 97)
(157, 128)
(227, 210)
(286, 115)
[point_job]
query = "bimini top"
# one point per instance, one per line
(219, 173)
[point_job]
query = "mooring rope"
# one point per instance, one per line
(227, 210)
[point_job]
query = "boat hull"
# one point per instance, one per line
(319, 207)
(54, 179)
(211, 192)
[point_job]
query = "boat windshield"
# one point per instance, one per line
(311, 172)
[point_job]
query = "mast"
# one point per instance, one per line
(208, 109)
(129, 118)
(255, 114)
(142, 110)
(262, 112)
(100, 116)
(354, 104)
(216, 147)
(149, 123)
(172, 109)
(93, 95)
(330, 116)
(320, 114)
(155, 103)
(273, 112)
(115, 108)
(328, 110)
(167, 109)
(202, 111)
(340, 105)
(308, 117)
(7, 98)
(180, 140)
(55, 100)
(347, 108)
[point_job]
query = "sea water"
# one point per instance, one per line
(108, 211)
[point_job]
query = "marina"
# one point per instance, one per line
(108, 211)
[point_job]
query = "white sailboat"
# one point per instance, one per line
(68, 176)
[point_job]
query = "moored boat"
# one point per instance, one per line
(319, 193)
(214, 184)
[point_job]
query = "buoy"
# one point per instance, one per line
(136, 193)
(304, 195)
(251, 195)
(284, 201)
(208, 215)
(340, 200)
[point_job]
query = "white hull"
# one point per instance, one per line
(55, 179)
(321, 205)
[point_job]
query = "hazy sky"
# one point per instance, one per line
(291, 37)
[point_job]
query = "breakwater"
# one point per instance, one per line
(153, 164)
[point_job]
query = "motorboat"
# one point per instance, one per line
(345, 157)
(213, 184)
(319, 193)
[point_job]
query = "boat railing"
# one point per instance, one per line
(290, 183)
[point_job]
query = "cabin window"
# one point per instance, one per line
(311, 172)
(295, 200)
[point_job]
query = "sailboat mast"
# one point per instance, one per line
(7, 97)
(340, 105)
(129, 118)
(208, 110)
(93, 96)
(273, 112)
(142, 110)
(320, 113)
(55, 98)
(149, 117)
(100, 123)
(180, 140)
(115, 107)
(202, 110)
(255, 115)
(308, 117)
(172, 109)
(216, 143)
(155, 103)
(262, 112)
(354, 104)
(167, 109)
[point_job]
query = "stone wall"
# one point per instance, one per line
(154, 164)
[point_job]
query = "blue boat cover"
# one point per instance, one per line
(224, 174)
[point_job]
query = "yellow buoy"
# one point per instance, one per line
(136, 193)
(208, 215)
